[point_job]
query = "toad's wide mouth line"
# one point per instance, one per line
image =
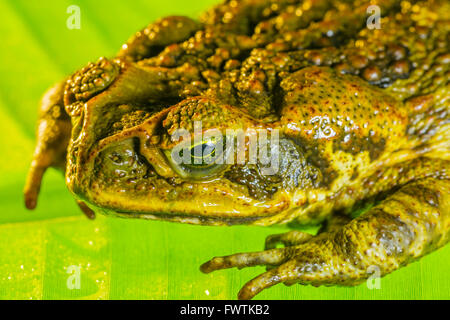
(184, 211)
(180, 217)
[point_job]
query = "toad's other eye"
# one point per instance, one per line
(199, 161)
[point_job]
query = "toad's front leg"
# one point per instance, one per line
(407, 225)
(52, 138)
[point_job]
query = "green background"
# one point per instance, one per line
(120, 259)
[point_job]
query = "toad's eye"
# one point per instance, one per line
(203, 154)
(198, 161)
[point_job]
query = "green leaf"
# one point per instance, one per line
(119, 258)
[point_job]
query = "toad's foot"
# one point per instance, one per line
(407, 225)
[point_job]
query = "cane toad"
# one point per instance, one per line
(361, 116)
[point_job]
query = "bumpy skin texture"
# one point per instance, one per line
(362, 114)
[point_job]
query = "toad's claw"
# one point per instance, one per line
(407, 225)
(33, 185)
(242, 260)
(281, 274)
(287, 239)
(88, 212)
